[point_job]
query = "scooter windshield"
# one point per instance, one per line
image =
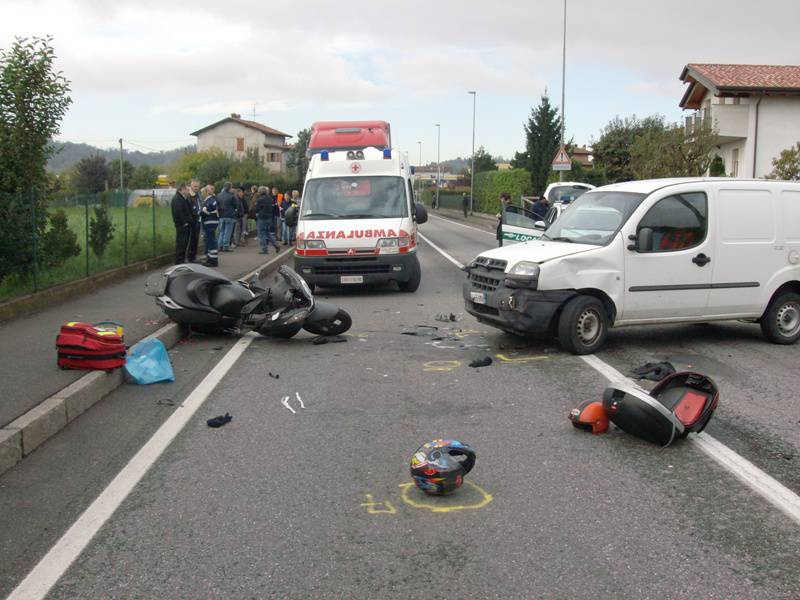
(297, 283)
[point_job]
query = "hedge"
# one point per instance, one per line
(490, 184)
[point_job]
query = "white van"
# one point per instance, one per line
(657, 251)
(358, 220)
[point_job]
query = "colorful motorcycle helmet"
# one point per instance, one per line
(438, 467)
(589, 416)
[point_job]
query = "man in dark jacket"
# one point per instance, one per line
(264, 210)
(240, 231)
(196, 200)
(182, 217)
(227, 216)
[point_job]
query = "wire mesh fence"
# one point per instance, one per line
(47, 243)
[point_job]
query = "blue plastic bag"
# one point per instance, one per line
(148, 362)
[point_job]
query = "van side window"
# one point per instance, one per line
(678, 222)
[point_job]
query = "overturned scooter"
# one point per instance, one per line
(680, 404)
(208, 301)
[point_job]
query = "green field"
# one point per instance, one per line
(142, 223)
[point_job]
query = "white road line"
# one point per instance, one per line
(300, 400)
(757, 480)
(493, 234)
(285, 403)
(766, 486)
(440, 251)
(55, 563)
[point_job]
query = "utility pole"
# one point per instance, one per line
(121, 182)
(125, 205)
(419, 187)
(254, 111)
(438, 160)
(472, 171)
(563, 81)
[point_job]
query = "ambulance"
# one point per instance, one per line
(358, 220)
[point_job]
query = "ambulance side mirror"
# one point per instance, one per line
(421, 213)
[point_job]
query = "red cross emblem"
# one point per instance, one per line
(351, 252)
(355, 167)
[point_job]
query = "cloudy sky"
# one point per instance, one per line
(151, 72)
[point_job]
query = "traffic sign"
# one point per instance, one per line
(562, 162)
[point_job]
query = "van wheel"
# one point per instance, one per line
(413, 283)
(583, 325)
(780, 323)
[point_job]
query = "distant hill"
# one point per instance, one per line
(69, 153)
(457, 165)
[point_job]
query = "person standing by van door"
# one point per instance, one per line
(227, 216)
(182, 217)
(505, 202)
(196, 201)
(210, 216)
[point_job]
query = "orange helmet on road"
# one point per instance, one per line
(589, 416)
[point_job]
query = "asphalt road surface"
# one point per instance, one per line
(315, 502)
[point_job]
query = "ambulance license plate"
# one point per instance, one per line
(351, 279)
(478, 297)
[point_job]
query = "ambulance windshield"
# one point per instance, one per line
(377, 197)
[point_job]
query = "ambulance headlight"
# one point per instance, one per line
(388, 246)
(310, 244)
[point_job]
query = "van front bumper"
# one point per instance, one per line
(516, 310)
(328, 271)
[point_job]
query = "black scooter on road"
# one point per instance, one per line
(208, 301)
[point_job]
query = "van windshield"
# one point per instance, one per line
(594, 218)
(566, 193)
(369, 197)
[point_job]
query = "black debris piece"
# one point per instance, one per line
(166, 402)
(274, 375)
(481, 362)
(328, 339)
(448, 317)
(653, 371)
(220, 420)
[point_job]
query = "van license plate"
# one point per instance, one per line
(478, 297)
(352, 279)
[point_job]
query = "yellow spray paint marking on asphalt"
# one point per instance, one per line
(378, 508)
(441, 365)
(520, 360)
(405, 488)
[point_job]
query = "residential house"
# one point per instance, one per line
(235, 136)
(755, 109)
(583, 155)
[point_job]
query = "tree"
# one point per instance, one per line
(717, 168)
(101, 229)
(787, 165)
(90, 175)
(612, 152)
(143, 177)
(209, 166)
(33, 101)
(542, 140)
(59, 242)
(484, 161)
(672, 152)
(113, 174)
(296, 157)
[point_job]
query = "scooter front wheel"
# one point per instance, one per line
(335, 326)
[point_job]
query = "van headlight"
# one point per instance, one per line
(523, 274)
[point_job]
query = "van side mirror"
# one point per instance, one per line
(421, 213)
(642, 241)
(540, 225)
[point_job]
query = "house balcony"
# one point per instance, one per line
(730, 121)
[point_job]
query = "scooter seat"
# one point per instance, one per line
(199, 291)
(229, 299)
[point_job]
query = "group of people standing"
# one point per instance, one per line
(223, 218)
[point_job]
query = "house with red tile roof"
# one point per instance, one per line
(235, 136)
(755, 109)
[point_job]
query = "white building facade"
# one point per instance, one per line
(754, 108)
(236, 136)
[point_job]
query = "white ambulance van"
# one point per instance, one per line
(650, 252)
(358, 220)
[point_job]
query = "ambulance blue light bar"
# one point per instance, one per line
(387, 153)
(323, 155)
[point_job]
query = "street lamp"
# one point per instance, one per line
(563, 81)
(472, 171)
(438, 161)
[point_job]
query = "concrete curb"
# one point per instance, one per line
(25, 305)
(26, 433)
